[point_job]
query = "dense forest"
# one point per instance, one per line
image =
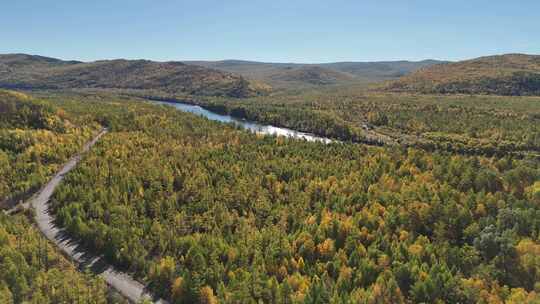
(35, 139)
(32, 271)
(206, 213)
(489, 125)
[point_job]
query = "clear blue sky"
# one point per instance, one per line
(270, 30)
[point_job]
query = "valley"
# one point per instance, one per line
(341, 193)
(294, 76)
(269, 152)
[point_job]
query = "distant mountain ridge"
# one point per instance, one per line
(22, 71)
(509, 74)
(228, 78)
(283, 75)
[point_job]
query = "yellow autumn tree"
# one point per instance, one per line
(207, 296)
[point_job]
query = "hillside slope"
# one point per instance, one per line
(20, 71)
(35, 138)
(285, 75)
(511, 74)
(382, 70)
(313, 75)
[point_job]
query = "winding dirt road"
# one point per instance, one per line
(122, 282)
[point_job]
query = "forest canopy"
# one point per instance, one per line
(206, 213)
(35, 139)
(480, 125)
(32, 271)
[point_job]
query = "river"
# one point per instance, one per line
(248, 125)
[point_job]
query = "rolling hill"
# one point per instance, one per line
(510, 74)
(381, 70)
(311, 75)
(286, 75)
(21, 71)
(229, 78)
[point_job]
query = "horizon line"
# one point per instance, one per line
(262, 61)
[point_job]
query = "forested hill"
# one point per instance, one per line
(20, 71)
(35, 139)
(511, 74)
(287, 75)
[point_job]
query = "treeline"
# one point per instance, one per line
(515, 84)
(322, 124)
(35, 139)
(489, 125)
(208, 214)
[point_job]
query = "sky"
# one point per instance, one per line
(272, 30)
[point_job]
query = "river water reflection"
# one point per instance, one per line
(248, 125)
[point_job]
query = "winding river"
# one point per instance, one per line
(248, 125)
